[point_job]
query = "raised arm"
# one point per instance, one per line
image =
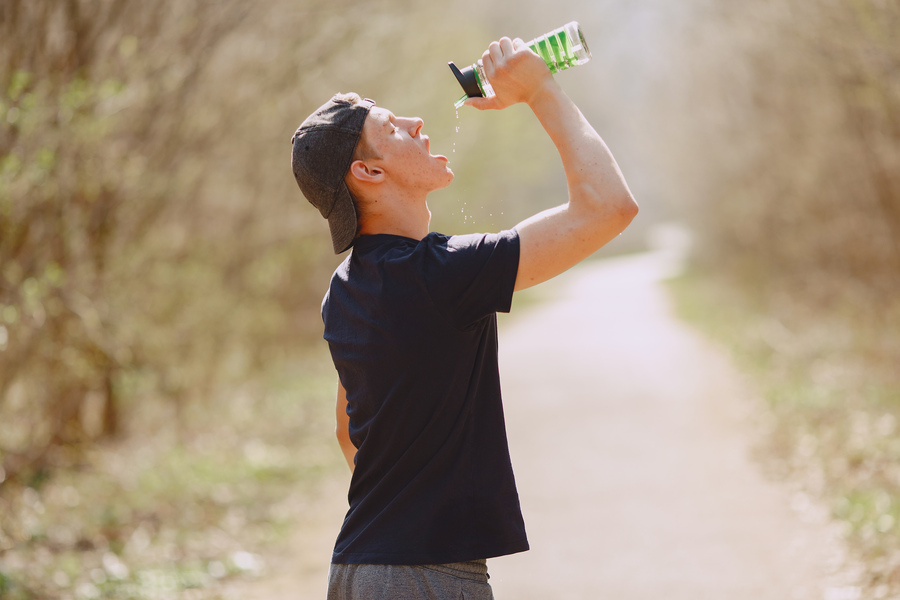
(599, 206)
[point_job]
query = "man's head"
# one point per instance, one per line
(323, 149)
(364, 167)
(393, 159)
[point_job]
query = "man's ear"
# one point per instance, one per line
(365, 173)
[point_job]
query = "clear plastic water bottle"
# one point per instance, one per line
(561, 49)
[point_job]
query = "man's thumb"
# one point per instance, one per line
(482, 103)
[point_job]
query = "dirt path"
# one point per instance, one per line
(631, 441)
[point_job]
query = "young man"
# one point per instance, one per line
(410, 319)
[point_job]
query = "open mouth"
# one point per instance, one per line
(428, 149)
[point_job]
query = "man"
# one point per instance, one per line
(410, 319)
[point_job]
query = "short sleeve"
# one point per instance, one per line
(471, 276)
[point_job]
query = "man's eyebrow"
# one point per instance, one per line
(384, 119)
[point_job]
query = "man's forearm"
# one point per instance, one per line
(599, 205)
(349, 451)
(342, 427)
(592, 175)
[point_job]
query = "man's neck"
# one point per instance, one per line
(410, 219)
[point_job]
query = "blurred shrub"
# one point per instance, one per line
(153, 244)
(155, 251)
(94, 269)
(793, 184)
(795, 139)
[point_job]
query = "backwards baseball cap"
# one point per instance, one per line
(323, 150)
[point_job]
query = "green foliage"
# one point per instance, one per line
(154, 253)
(793, 188)
(18, 81)
(793, 178)
(153, 246)
(158, 517)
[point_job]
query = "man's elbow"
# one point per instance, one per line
(628, 209)
(622, 210)
(609, 203)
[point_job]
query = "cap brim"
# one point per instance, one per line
(342, 220)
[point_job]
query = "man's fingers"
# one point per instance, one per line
(500, 56)
(482, 103)
(486, 59)
(495, 52)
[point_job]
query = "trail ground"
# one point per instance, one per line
(635, 446)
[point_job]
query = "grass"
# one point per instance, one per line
(172, 512)
(830, 380)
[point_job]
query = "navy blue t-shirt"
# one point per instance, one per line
(412, 329)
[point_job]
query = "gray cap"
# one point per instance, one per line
(323, 150)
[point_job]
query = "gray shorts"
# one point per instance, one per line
(454, 581)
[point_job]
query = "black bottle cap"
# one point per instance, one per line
(467, 80)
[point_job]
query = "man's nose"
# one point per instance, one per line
(415, 126)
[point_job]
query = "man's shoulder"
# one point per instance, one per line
(341, 272)
(463, 241)
(378, 255)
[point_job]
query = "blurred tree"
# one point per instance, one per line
(91, 165)
(793, 178)
(153, 245)
(795, 141)
(155, 252)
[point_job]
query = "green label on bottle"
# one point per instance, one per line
(556, 51)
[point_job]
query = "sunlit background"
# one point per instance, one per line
(161, 274)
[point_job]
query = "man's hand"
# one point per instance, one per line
(599, 206)
(515, 72)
